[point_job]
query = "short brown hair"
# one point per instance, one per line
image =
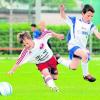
(87, 8)
(22, 35)
(33, 25)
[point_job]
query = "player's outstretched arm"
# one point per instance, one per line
(19, 61)
(97, 34)
(59, 36)
(62, 12)
(13, 69)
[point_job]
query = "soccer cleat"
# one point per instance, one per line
(89, 78)
(55, 89)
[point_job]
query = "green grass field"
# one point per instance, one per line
(28, 84)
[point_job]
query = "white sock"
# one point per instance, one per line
(65, 62)
(85, 69)
(50, 81)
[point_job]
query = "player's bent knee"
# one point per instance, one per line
(85, 58)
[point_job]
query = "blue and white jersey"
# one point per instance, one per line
(79, 32)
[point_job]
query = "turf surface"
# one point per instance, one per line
(27, 83)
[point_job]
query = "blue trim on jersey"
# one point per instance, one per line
(73, 19)
(36, 34)
(92, 26)
(68, 36)
(71, 51)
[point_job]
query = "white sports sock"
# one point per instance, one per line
(85, 68)
(50, 81)
(65, 62)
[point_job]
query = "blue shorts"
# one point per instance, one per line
(72, 51)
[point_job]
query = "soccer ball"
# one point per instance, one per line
(5, 89)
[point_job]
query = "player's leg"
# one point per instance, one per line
(63, 61)
(53, 67)
(54, 73)
(52, 63)
(85, 57)
(49, 80)
(71, 62)
(47, 76)
(74, 63)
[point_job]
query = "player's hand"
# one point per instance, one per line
(62, 7)
(61, 37)
(10, 72)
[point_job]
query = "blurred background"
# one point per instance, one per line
(17, 16)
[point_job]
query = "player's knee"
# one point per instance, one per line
(54, 73)
(45, 72)
(85, 58)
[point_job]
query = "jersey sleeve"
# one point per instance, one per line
(93, 29)
(46, 35)
(23, 57)
(70, 20)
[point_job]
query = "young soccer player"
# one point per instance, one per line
(43, 30)
(80, 30)
(37, 33)
(38, 52)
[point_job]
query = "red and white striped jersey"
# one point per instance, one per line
(40, 53)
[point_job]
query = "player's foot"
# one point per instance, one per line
(89, 78)
(55, 89)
